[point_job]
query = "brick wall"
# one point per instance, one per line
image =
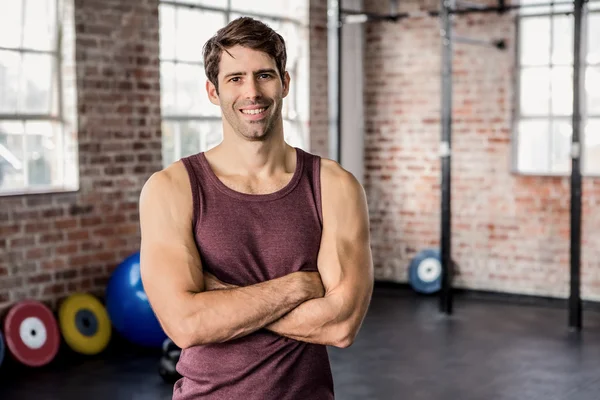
(318, 125)
(510, 232)
(54, 244)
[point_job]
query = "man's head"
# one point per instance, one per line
(245, 66)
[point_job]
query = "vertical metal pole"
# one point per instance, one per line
(575, 310)
(445, 156)
(334, 22)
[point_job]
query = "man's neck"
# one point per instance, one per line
(252, 158)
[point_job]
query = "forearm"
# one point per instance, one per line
(222, 315)
(322, 321)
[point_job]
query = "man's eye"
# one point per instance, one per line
(235, 79)
(264, 76)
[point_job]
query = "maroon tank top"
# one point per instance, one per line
(246, 239)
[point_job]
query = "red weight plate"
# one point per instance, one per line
(31, 333)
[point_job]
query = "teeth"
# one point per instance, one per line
(251, 112)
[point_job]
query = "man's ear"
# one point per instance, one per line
(212, 92)
(286, 84)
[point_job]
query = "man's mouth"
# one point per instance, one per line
(254, 111)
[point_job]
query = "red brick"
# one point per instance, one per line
(78, 235)
(70, 248)
(40, 278)
(65, 224)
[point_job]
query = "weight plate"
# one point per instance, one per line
(425, 272)
(32, 335)
(84, 324)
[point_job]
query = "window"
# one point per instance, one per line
(191, 123)
(36, 154)
(544, 114)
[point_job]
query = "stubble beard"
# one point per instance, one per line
(255, 131)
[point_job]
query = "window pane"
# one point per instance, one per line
(561, 146)
(167, 31)
(593, 37)
(10, 23)
(535, 91)
(266, 7)
(591, 139)
(190, 138)
(44, 153)
(291, 35)
(12, 174)
(192, 98)
(562, 91)
(562, 51)
(167, 89)
(535, 10)
(592, 88)
(10, 67)
(40, 25)
(294, 135)
(70, 159)
(168, 143)
(211, 134)
(535, 41)
(36, 80)
(209, 3)
(533, 146)
(194, 27)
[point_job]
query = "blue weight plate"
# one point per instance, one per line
(425, 272)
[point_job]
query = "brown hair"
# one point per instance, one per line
(247, 32)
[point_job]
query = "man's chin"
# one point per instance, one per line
(255, 136)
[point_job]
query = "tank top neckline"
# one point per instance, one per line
(254, 197)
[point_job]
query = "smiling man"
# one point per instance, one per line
(255, 255)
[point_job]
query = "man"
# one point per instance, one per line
(254, 255)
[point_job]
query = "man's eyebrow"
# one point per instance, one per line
(260, 71)
(264, 71)
(229, 75)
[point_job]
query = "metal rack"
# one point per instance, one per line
(337, 17)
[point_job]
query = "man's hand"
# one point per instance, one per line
(313, 281)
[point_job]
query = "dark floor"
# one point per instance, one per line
(406, 350)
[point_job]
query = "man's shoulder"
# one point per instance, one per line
(338, 181)
(170, 180)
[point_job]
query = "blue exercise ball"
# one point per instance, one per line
(128, 306)
(1, 349)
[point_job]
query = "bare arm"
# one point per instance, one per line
(172, 274)
(344, 263)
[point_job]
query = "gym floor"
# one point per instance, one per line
(405, 350)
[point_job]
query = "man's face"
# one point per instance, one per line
(250, 92)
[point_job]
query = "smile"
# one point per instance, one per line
(255, 111)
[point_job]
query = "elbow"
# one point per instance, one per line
(184, 336)
(180, 337)
(345, 337)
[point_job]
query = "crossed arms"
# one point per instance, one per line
(327, 307)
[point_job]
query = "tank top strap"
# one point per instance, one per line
(312, 164)
(194, 171)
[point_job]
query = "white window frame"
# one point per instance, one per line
(293, 119)
(584, 115)
(56, 95)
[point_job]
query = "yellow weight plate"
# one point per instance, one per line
(84, 324)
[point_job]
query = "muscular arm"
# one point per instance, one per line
(344, 263)
(173, 281)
